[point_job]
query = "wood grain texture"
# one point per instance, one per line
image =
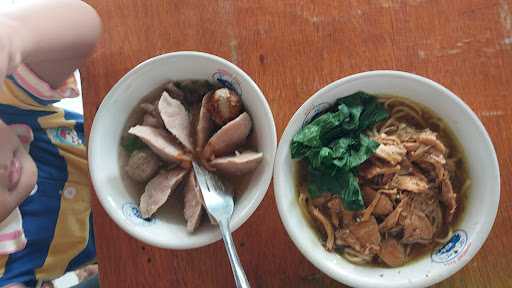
(292, 49)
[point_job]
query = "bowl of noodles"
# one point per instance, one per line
(387, 179)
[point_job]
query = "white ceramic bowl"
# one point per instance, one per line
(167, 229)
(483, 196)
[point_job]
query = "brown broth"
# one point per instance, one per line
(451, 142)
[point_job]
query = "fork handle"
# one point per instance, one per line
(238, 271)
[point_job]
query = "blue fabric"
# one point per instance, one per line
(40, 211)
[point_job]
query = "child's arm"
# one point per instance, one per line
(50, 37)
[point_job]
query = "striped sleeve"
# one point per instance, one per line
(40, 90)
(12, 238)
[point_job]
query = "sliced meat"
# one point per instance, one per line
(417, 227)
(392, 253)
(429, 205)
(142, 165)
(430, 138)
(224, 106)
(367, 234)
(345, 238)
(204, 125)
(389, 192)
(382, 206)
(420, 152)
(392, 219)
(371, 169)
(327, 226)
(391, 153)
(367, 213)
(238, 164)
(175, 92)
(193, 203)
(176, 119)
(229, 137)
(158, 190)
(161, 143)
(435, 160)
(150, 120)
(387, 139)
(410, 183)
(449, 198)
(411, 146)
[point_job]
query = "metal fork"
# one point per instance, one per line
(219, 204)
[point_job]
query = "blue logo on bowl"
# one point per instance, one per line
(451, 249)
(132, 212)
(226, 79)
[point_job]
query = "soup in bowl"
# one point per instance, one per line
(379, 181)
(144, 137)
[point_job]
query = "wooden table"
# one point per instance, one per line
(291, 49)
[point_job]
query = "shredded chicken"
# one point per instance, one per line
(448, 198)
(328, 229)
(408, 196)
(391, 153)
(409, 183)
(372, 168)
(430, 138)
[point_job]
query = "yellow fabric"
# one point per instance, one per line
(3, 260)
(72, 230)
(14, 96)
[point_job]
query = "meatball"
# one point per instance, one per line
(225, 105)
(143, 165)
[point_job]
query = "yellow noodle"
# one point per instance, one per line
(465, 186)
(409, 112)
(399, 102)
(303, 205)
(352, 257)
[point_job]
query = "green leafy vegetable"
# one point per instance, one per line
(334, 145)
(343, 184)
(132, 143)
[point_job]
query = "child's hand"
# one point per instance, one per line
(10, 48)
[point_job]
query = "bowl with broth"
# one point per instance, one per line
(162, 115)
(386, 179)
